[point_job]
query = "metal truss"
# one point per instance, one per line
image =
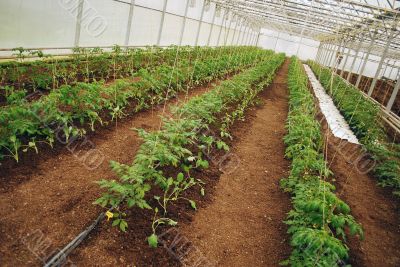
(340, 22)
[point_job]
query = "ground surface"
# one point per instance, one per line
(46, 202)
(372, 206)
(243, 225)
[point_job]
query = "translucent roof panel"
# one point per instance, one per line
(327, 20)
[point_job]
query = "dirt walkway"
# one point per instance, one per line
(48, 202)
(372, 206)
(243, 225)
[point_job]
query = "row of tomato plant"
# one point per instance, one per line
(319, 220)
(69, 110)
(167, 159)
(363, 118)
(87, 65)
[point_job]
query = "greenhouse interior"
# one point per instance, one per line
(200, 133)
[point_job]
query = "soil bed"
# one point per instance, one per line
(256, 208)
(374, 207)
(47, 200)
(243, 224)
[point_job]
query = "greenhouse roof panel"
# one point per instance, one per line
(326, 20)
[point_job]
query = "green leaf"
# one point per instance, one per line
(153, 240)
(172, 222)
(130, 202)
(179, 177)
(123, 225)
(193, 204)
(116, 222)
(202, 191)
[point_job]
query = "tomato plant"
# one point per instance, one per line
(319, 219)
(180, 142)
(362, 116)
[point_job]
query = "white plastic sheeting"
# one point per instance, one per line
(53, 24)
(337, 124)
(304, 48)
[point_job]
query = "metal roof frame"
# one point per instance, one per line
(331, 21)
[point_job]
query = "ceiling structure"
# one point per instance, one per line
(346, 22)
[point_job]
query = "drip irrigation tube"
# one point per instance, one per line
(61, 256)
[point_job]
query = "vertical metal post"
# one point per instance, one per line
(243, 35)
(394, 95)
(240, 32)
(318, 52)
(253, 38)
(383, 57)
(220, 29)
(129, 25)
(322, 52)
(258, 37)
(212, 26)
(366, 59)
(391, 69)
(78, 23)
(227, 32)
(363, 56)
(355, 59)
(299, 43)
(248, 39)
(326, 51)
(276, 41)
(160, 29)
(386, 66)
(247, 36)
(184, 22)
(201, 20)
(253, 35)
(330, 55)
(337, 54)
(345, 61)
(329, 48)
(234, 31)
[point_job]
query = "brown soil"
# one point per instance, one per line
(243, 224)
(45, 204)
(374, 207)
(239, 222)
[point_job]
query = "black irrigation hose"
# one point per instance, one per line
(61, 256)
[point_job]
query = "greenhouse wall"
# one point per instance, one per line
(290, 44)
(104, 23)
